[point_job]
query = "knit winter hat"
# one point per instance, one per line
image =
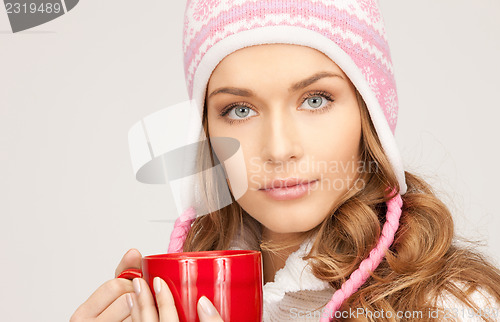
(350, 32)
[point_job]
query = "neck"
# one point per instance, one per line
(275, 260)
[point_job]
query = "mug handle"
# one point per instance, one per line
(130, 273)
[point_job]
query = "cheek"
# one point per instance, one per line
(341, 148)
(336, 157)
(338, 139)
(229, 152)
(236, 174)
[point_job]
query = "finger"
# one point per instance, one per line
(144, 308)
(128, 319)
(117, 311)
(207, 311)
(131, 259)
(135, 313)
(165, 300)
(106, 294)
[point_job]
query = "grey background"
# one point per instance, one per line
(70, 90)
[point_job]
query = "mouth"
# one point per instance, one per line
(288, 189)
(286, 183)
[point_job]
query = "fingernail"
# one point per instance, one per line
(137, 285)
(129, 301)
(157, 284)
(207, 306)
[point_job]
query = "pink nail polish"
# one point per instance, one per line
(207, 306)
(137, 285)
(157, 285)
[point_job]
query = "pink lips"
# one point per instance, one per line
(288, 189)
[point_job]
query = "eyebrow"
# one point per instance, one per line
(299, 85)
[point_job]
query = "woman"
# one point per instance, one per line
(308, 91)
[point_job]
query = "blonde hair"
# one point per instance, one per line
(423, 261)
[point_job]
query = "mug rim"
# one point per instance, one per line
(201, 255)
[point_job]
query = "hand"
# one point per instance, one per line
(109, 302)
(143, 305)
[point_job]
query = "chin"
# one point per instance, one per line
(288, 229)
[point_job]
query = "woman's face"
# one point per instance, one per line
(296, 116)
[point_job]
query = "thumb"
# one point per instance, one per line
(131, 259)
(207, 311)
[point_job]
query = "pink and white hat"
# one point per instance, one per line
(350, 32)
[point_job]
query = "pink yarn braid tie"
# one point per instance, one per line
(359, 276)
(181, 229)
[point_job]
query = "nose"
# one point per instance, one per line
(281, 139)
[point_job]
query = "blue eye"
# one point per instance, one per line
(317, 102)
(238, 112)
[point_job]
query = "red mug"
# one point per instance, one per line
(230, 279)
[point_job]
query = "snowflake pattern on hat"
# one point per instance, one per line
(371, 8)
